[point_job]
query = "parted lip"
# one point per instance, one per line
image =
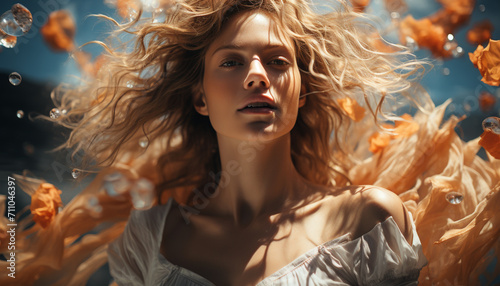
(259, 99)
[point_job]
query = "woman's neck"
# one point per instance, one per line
(256, 179)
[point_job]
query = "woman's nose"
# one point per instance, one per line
(257, 76)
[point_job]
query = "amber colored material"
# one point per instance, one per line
(431, 32)
(486, 101)
(352, 108)
(378, 141)
(459, 240)
(359, 5)
(487, 61)
(45, 203)
(59, 31)
(491, 143)
(480, 33)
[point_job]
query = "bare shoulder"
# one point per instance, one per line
(376, 205)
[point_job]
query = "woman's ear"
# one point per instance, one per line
(200, 103)
(302, 99)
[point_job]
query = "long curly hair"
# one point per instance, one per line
(145, 92)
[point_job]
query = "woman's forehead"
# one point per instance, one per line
(251, 27)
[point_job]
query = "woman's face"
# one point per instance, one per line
(251, 83)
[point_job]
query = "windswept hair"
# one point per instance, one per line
(147, 94)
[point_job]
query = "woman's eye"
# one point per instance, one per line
(278, 62)
(228, 64)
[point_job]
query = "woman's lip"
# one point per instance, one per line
(257, 110)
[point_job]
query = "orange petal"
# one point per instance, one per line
(480, 33)
(425, 33)
(474, 57)
(45, 203)
(405, 128)
(352, 108)
(59, 31)
(378, 141)
(486, 101)
(489, 63)
(359, 5)
(490, 141)
(126, 8)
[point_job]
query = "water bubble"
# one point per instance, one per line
(20, 114)
(159, 16)
(142, 194)
(395, 15)
(450, 44)
(454, 198)
(15, 78)
(130, 84)
(150, 5)
(411, 43)
(143, 142)
(75, 173)
(92, 204)
(482, 8)
(116, 184)
(457, 52)
(55, 113)
(7, 41)
(492, 124)
(17, 21)
(64, 111)
(446, 71)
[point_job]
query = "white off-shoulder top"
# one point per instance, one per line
(382, 256)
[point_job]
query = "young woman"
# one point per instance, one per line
(249, 91)
(245, 120)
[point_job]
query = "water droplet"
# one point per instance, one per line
(116, 184)
(130, 84)
(17, 21)
(446, 71)
(143, 142)
(492, 124)
(7, 41)
(159, 16)
(482, 8)
(92, 204)
(64, 111)
(75, 173)
(454, 198)
(55, 113)
(411, 43)
(15, 78)
(395, 15)
(142, 194)
(457, 52)
(20, 114)
(131, 14)
(450, 44)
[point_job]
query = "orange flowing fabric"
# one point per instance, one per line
(451, 192)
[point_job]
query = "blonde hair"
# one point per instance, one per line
(149, 91)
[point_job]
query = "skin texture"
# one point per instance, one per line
(265, 214)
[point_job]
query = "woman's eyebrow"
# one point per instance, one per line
(240, 47)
